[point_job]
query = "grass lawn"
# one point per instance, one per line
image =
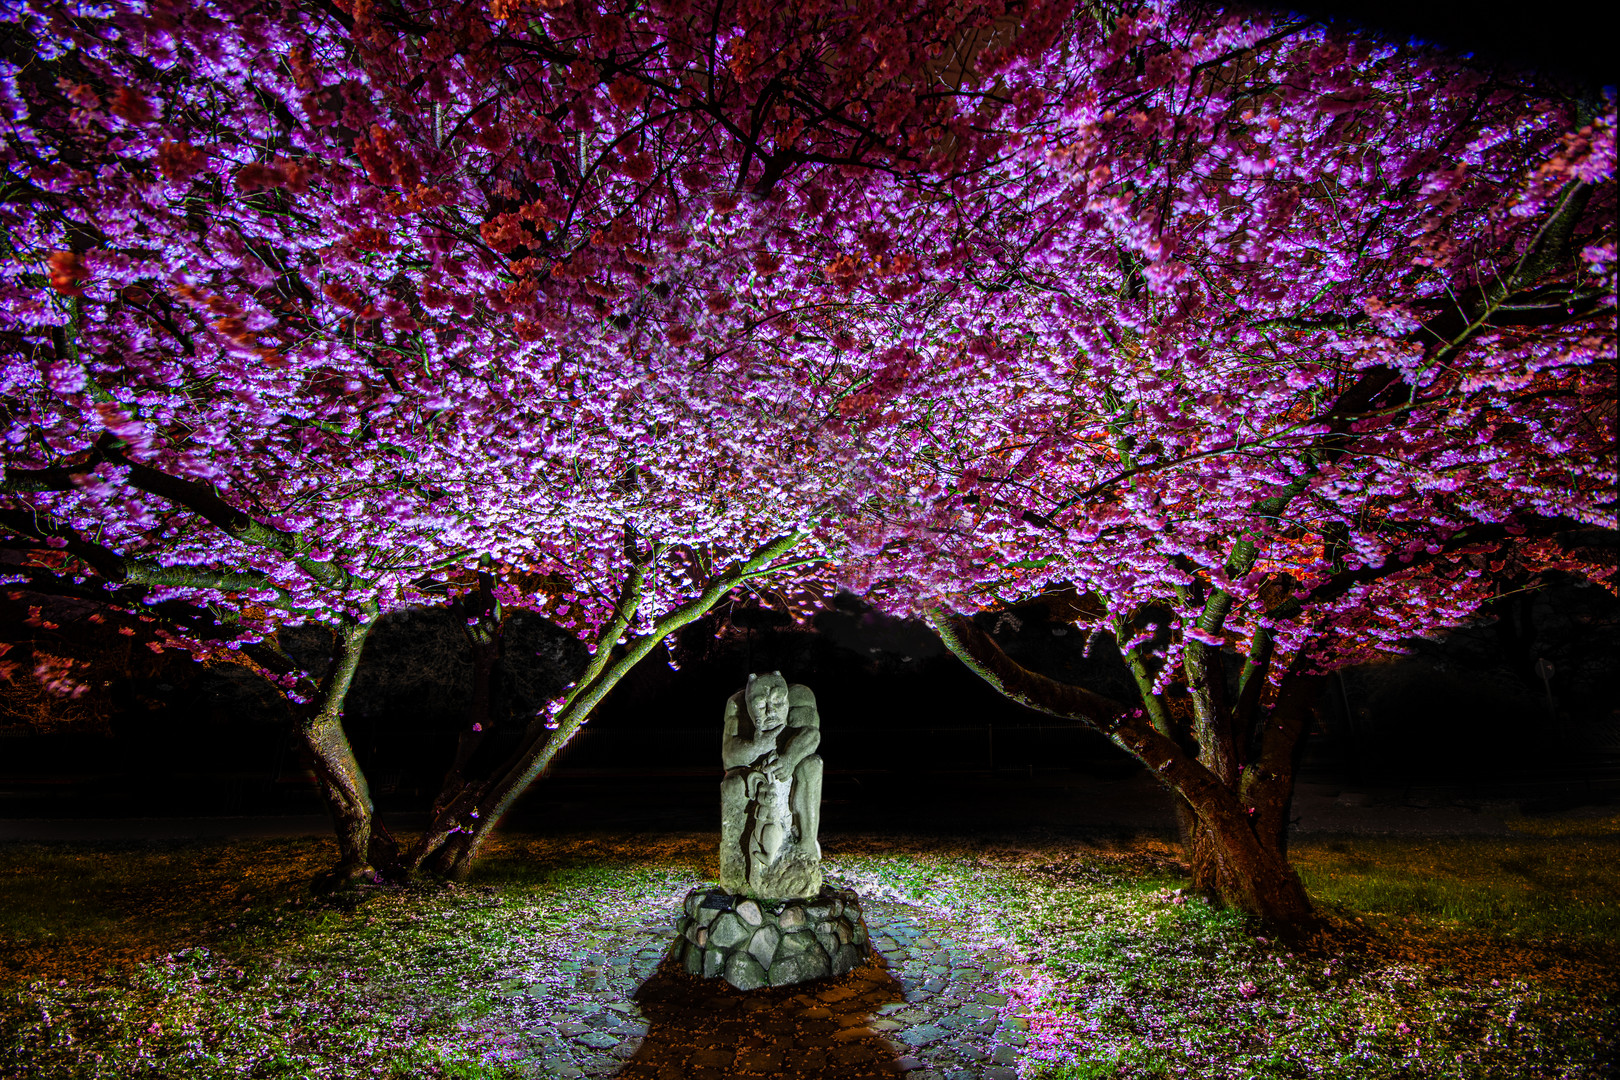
(1476, 957)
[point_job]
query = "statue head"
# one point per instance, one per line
(768, 701)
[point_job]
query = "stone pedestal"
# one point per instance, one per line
(753, 943)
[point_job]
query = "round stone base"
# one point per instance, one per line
(753, 943)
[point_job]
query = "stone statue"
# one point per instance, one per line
(770, 799)
(771, 921)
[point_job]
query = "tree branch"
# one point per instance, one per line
(194, 496)
(1341, 583)
(487, 803)
(1129, 728)
(125, 570)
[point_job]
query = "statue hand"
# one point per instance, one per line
(782, 770)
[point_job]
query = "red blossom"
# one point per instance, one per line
(67, 271)
(639, 166)
(845, 271)
(627, 92)
(180, 161)
(131, 105)
(494, 138)
(344, 296)
(294, 176)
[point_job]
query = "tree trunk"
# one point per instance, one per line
(469, 815)
(454, 860)
(342, 783)
(476, 726)
(1234, 830)
(1230, 861)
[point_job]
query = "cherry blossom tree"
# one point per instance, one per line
(207, 406)
(1268, 354)
(315, 310)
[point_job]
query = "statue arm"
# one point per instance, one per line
(735, 752)
(798, 744)
(802, 706)
(803, 735)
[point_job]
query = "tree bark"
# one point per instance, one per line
(1234, 831)
(1241, 858)
(342, 783)
(1240, 869)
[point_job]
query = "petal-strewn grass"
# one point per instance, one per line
(1481, 957)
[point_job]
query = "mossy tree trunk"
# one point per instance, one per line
(362, 854)
(467, 816)
(1234, 791)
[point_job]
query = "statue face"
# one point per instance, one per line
(768, 701)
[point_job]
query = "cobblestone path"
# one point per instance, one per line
(927, 1007)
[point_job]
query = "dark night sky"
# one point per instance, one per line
(1574, 40)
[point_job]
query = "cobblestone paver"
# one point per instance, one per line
(926, 1007)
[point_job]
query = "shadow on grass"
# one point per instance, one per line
(705, 1029)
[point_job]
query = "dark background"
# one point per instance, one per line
(1570, 42)
(1465, 713)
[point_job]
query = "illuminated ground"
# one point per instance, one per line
(1478, 957)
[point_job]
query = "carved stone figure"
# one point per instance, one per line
(771, 921)
(770, 799)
